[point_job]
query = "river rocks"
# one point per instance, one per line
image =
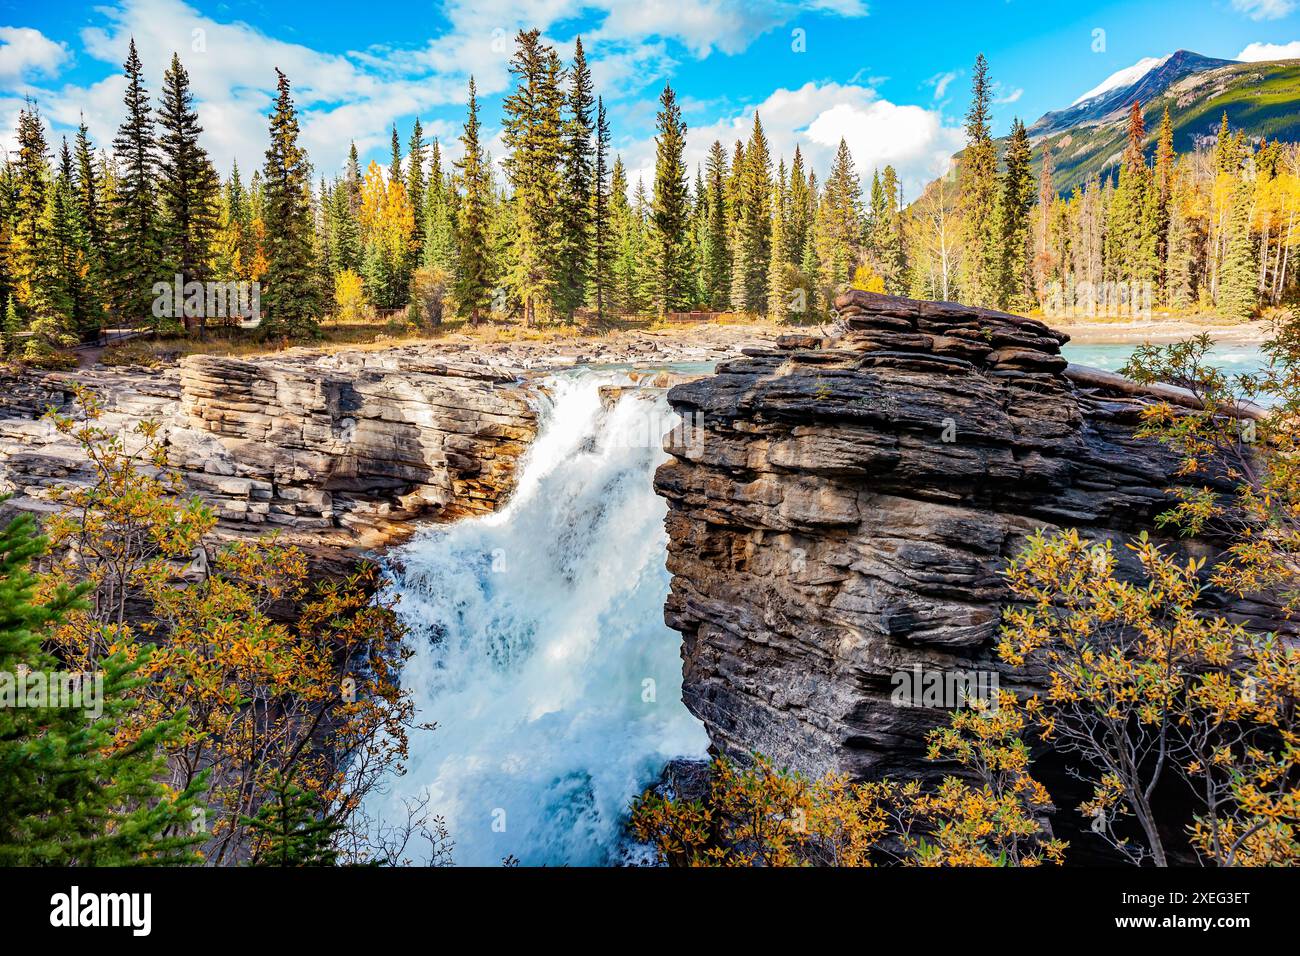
(845, 504)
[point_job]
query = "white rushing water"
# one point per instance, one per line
(540, 647)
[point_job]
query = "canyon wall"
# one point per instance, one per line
(340, 453)
(843, 504)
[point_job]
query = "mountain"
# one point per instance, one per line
(1088, 137)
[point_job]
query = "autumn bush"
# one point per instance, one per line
(763, 816)
(285, 686)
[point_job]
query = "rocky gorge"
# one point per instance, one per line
(840, 501)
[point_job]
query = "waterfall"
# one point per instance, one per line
(539, 644)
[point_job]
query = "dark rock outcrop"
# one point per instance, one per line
(843, 506)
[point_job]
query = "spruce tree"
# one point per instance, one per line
(90, 202)
(1014, 207)
(30, 186)
(69, 795)
(1130, 233)
(473, 290)
(670, 209)
(352, 180)
(345, 230)
(576, 199)
(839, 221)
(291, 830)
(416, 185)
(439, 217)
(801, 209)
(716, 252)
(533, 132)
(290, 298)
(187, 185)
(72, 296)
(137, 246)
(780, 284)
(979, 193)
(1238, 292)
(602, 238)
(1179, 283)
(1164, 184)
(626, 294)
(891, 256)
(754, 226)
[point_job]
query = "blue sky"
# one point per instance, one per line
(892, 77)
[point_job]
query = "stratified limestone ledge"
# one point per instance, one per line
(343, 450)
(849, 505)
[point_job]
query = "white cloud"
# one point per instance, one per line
(914, 140)
(1264, 9)
(358, 95)
(940, 82)
(25, 51)
(1270, 51)
(1012, 97)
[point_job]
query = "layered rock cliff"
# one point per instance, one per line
(339, 452)
(842, 506)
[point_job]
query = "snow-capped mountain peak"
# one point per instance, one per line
(1125, 77)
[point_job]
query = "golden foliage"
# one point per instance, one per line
(762, 816)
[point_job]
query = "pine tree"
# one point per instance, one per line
(576, 198)
(290, 829)
(68, 794)
(670, 209)
(716, 252)
(623, 228)
(290, 298)
(601, 265)
(439, 217)
(137, 243)
(90, 202)
(187, 185)
(71, 295)
(780, 264)
(1164, 184)
(979, 194)
(31, 182)
(839, 221)
(754, 226)
(1014, 207)
(416, 185)
(533, 132)
(473, 290)
(1238, 293)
